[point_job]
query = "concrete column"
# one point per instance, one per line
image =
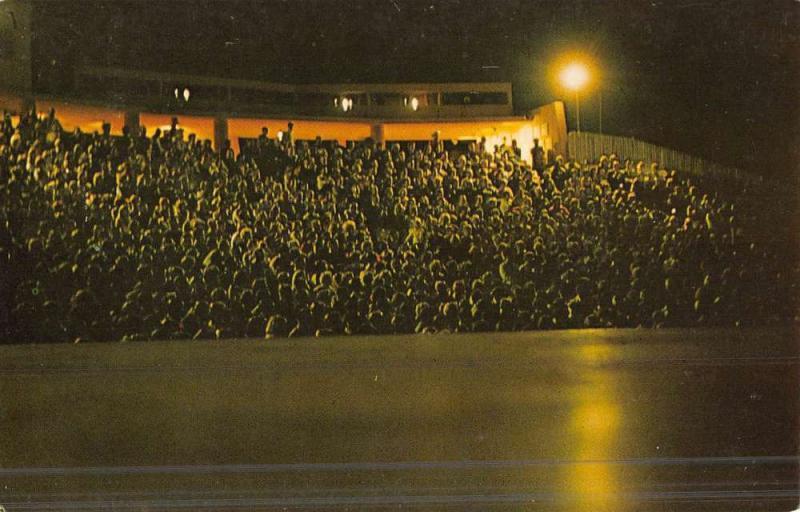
(376, 132)
(132, 122)
(220, 132)
(29, 104)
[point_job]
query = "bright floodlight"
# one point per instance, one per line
(414, 104)
(574, 76)
(186, 94)
(347, 104)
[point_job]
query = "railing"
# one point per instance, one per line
(590, 146)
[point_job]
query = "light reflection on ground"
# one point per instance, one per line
(594, 425)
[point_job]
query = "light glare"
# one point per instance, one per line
(574, 76)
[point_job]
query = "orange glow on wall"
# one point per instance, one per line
(493, 131)
(202, 127)
(341, 131)
(86, 117)
(547, 123)
(453, 130)
(10, 102)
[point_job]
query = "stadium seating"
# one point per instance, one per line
(109, 238)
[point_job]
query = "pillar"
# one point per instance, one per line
(132, 122)
(377, 133)
(220, 132)
(28, 104)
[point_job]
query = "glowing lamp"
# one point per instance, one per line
(574, 76)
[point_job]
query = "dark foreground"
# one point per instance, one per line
(610, 420)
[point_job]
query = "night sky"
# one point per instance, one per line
(713, 78)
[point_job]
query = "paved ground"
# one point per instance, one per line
(610, 420)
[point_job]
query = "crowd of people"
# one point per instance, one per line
(133, 237)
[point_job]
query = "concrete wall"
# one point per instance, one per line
(88, 118)
(547, 123)
(339, 130)
(220, 94)
(13, 103)
(201, 126)
(15, 47)
(550, 127)
(495, 131)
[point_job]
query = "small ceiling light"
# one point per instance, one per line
(186, 94)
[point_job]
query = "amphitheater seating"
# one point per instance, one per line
(108, 238)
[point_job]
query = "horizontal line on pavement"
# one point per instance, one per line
(388, 466)
(538, 363)
(409, 500)
(769, 483)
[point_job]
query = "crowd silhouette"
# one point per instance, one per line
(132, 237)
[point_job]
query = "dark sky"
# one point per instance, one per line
(714, 78)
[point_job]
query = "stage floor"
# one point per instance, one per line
(602, 420)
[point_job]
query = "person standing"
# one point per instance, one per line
(538, 156)
(516, 149)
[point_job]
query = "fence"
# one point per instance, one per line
(590, 146)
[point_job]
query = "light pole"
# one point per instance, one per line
(600, 90)
(574, 77)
